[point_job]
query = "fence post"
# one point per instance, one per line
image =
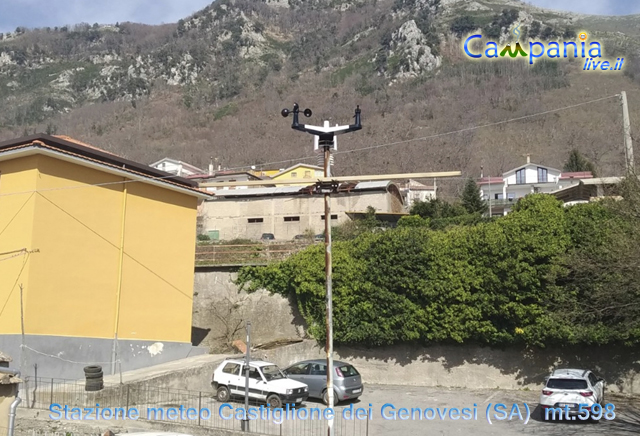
(127, 407)
(26, 383)
(199, 406)
(51, 402)
(367, 425)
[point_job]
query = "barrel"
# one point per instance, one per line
(94, 378)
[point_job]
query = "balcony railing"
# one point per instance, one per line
(245, 254)
(502, 202)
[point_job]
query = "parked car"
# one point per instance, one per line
(267, 237)
(347, 382)
(267, 383)
(571, 387)
(299, 237)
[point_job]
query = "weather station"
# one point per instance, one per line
(325, 141)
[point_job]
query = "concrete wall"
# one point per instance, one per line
(465, 366)
(55, 355)
(231, 216)
(219, 311)
(473, 367)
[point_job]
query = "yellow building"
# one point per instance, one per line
(299, 171)
(96, 258)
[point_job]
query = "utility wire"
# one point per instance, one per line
(389, 144)
(16, 214)
(65, 360)
(117, 247)
(438, 135)
(13, 288)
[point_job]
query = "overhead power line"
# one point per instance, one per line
(389, 144)
(438, 135)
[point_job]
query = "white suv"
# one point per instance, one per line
(567, 389)
(266, 382)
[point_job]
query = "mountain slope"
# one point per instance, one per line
(213, 85)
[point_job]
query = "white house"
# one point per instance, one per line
(502, 192)
(179, 168)
(223, 177)
(413, 191)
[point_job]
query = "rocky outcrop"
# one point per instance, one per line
(411, 52)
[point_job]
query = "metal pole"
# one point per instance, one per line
(245, 422)
(490, 214)
(328, 268)
(114, 351)
(628, 145)
(23, 358)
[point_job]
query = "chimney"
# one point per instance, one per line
(481, 172)
(528, 158)
(211, 166)
(218, 165)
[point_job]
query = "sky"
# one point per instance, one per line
(52, 13)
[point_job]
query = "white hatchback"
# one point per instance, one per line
(266, 383)
(569, 394)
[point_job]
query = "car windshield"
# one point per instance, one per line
(272, 372)
(348, 371)
(566, 383)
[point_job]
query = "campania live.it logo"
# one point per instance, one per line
(552, 50)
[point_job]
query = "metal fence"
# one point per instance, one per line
(32, 432)
(119, 403)
(249, 254)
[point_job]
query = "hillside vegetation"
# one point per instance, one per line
(213, 85)
(544, 275)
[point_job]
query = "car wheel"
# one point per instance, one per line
(274, 401)
(325, 398)
(223, 394)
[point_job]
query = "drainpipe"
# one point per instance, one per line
(12, 415)
(14, 405)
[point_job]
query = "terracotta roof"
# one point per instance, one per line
(576, 175)
(75, 141)
(417, 188)
(487, 180)
(93, 154)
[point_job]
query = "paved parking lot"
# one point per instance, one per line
(626, 422)
(442, 407)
